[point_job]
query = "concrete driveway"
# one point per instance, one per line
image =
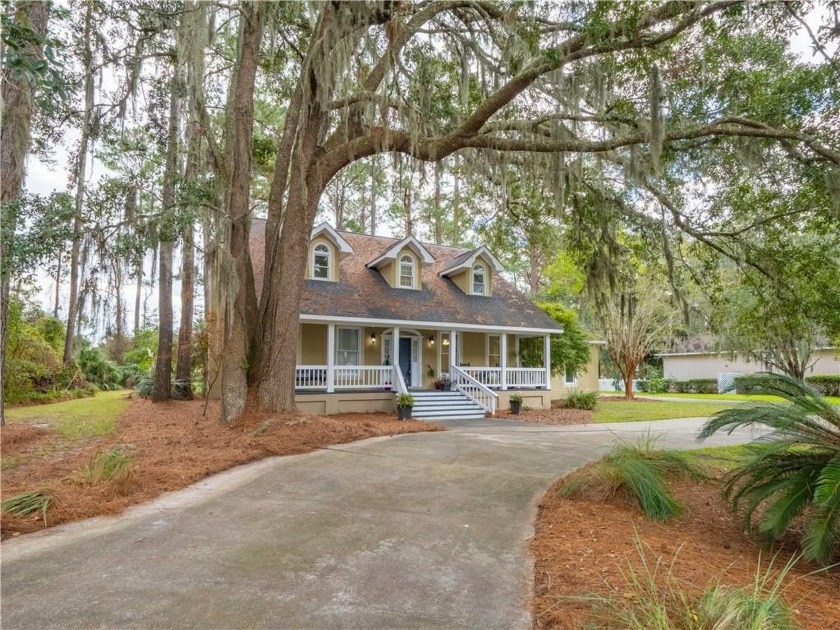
(423, 530)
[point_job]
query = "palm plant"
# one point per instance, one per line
(793, 471)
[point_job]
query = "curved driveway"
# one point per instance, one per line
(423, 530)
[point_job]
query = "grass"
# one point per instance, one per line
(834, 400)
(639, 473)
(28, 503)
(76, 420)
(620, 411)
(114, 464)
(659, 601)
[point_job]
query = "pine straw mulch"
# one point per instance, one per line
(584, 547)
(173, 446)
(555, 415)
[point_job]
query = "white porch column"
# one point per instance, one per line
(330, 358)
(547, 360)
(503, 352)
(453, 349)
(516, 350)
(395, 348)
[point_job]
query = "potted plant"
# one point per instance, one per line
(515, 403)
(405, 403)
(443, 382)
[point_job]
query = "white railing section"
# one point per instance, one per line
(492, 377)
(525, 377)
(363, 376)
(399, 380)
(311, 377)
(473, 389)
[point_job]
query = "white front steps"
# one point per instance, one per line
(429, 405)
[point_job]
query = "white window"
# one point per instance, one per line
(407, 272)
(348, 349)
(494, 351)
(478, 280)
(571, 379)
(321, 260)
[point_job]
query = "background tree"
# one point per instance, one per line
(569, 351)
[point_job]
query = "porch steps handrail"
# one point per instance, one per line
(399, 380)
(474, 390)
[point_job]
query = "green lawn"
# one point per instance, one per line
(660, 410)
(736, 397)
(76, 419)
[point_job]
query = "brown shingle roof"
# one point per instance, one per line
(362, 292)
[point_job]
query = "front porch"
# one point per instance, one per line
(340, 358)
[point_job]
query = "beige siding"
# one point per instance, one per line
(462, 280)
(346, 402)
(313, 344)
(387, 271)
(709, 365)
(473, 349)
(587, 379)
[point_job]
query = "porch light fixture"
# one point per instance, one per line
(446, 341)
(372, 338)
(431, 341)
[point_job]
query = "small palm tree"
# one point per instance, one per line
(793, 471)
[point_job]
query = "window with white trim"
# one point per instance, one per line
(348, 348)
(407, 268)
(479, 284)
(321, 262)
(571, 379)
(494, 351)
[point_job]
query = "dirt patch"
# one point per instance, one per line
(585, 548)
(555, 415)
(173, 446)
(17, 437)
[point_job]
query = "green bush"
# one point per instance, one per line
(794, 472)
(826, 384)
(682, 387)
(96, 369)
(145, 387)
(658, 385)
(637, 473)
(579, 399)
(703, 385)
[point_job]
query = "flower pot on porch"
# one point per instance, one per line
(515, 406)
(404, 413)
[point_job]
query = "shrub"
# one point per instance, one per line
(826, 384)
(145, 387)
(658, 600)
(114, 464)
(405, 400)
(658, 385)
(28, 503)
(638, 474)
(682, 387)
(794, 471)
(517, 397)
(579, 399)
(703, 385)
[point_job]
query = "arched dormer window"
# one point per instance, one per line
(321, 262)
(407, 268)
(479, 280)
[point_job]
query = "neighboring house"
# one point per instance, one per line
(686, 365)
(380, 316)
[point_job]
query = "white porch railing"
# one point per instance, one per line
(525, 377)
(363, 376)
(314, 377)
(311, 377)
(490, 376)
(474, 390)
(399, 380)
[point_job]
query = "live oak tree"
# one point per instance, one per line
(607, 88)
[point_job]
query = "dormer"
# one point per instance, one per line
(473, 271)
(326, 249)
(402, 264)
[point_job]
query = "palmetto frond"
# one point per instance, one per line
(793, 471)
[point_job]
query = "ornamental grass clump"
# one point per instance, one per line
(28, 503)
(658, 600)
(792, 473)
(637, 473)
(115, 464)
(579, 399)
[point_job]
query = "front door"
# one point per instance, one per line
(405, 359)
